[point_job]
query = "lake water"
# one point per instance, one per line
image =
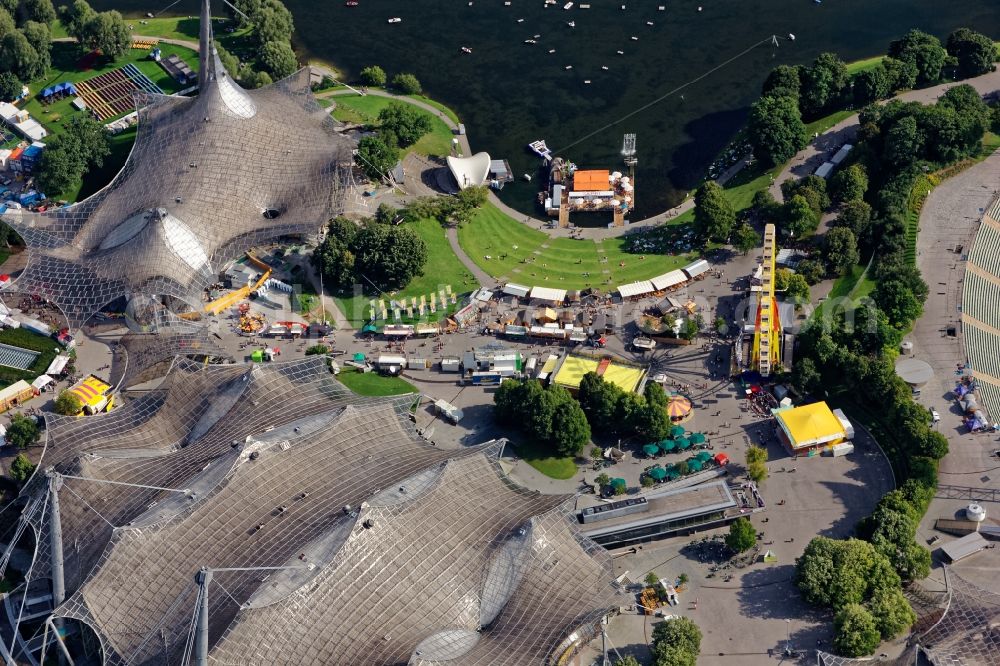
(509, 93)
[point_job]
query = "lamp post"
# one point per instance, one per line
(788, 637)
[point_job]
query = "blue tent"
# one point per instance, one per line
(61, 87)
(47, 92)
(70, 89)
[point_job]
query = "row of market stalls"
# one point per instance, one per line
(699, 462)
(666, 282)
(676, 442)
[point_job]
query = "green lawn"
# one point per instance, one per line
(357, 109)
(538, 457)
(442, 268)
(515, 252)
(855, 285)
(439, 106)
(864, 65)
(821, 125)
(19, 337)
(171, 27)
(374, 384)
(65, 59)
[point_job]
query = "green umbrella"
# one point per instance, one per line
(676, 431)
(650, 450)
(667, 445)
(617, 483)
(695, 465)
(697, 438)
(703, 456)
(657, 473)
(684, 443)
(359, 357)
(671, 472)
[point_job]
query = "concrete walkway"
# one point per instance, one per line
(482, 277)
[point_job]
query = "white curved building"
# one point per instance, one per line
(470, 171)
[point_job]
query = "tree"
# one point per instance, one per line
(682, 467)
(373, 75)
(924, 52)
(652, 422)
(252, 79)
(903, 143)
(278, 58)
(974, 52)
(19, 57)
(10, 87)
(806, 378)
(388, 257)
(83, 144)
(840, 250)
(849, 184)
(872, 85)
(21, 468)
(901, 75)
(602, 480)
(856, 216)
(746, 239)
(797, 290)
(898, 302)
(273, 23)
(676, 642)
(406, 121)
(6, 23)
(22, 431)
(834, 573)
(811, 270)
(800, 219)
(75, 18)
(40, 38)
(58, 167)
(822, 83)
(407, 84)
(742, 535)
(627, 660)
(655, 395)
(376, 158)
(108, 32)
(317, 350)
(68, 404)
(855, 631)
(41, 11)
(570, 430)
(247, 11)
(599, 401)
(892, 613)
(783, 81)
(651, 579)
(714, 216)
(775, 129)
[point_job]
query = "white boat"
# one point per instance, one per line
(791, 37)
(530, 41)
(568, 5)
(572, 24)
(536, 36)
(649, 23)
(569, 66)
(586, 80)
(539, 148)
(621, 53)
(466, 49)
(634, 38)
(661, 8)
(527, 177)
(520, 20)
(395, 19)
(604, 67)
(552, 50)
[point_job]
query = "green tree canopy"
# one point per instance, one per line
(834, 573)
(742, 535)
(10, 87)
(924, 51)
(108, 32)
(373, 75)
(902, 75)
(75, 18)
(83, 144)
(570, 430)
(388, 257)
(800, 219)
(892, 613)
(714, 215)
(746, 239)
(273, 23)
(775, 129)
(279, 59)
(22, 431)
(855, 631)
(783, 81)
(849, 184)
(21, 468)
(840, 250)
(872, 85)
(627, 660)
(407, 84)
(676, 642)
(7, 25)
(406, 121)
(974, 51)
(898, 301)
(376, 158)
(856, 216)
(38, 10)
(19, 57)
(822, 83)
(68, 404)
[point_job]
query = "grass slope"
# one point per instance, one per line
(365, 109)
(442, 268)
(528, 256)
(374, 384)
(538, 457)
(19, 337)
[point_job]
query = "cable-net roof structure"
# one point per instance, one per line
(968, 632)
(207, 178)
(141, 357)
(315, 508)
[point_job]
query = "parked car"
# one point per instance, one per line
(935, 417)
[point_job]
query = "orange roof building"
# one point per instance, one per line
(591, 180)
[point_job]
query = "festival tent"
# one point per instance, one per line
(678, 407)
(721, 459)
(650, 450)
(657, 473)
(48, 92)
(359, 357)
(257, 356)
(697, 438)
(70, 89)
